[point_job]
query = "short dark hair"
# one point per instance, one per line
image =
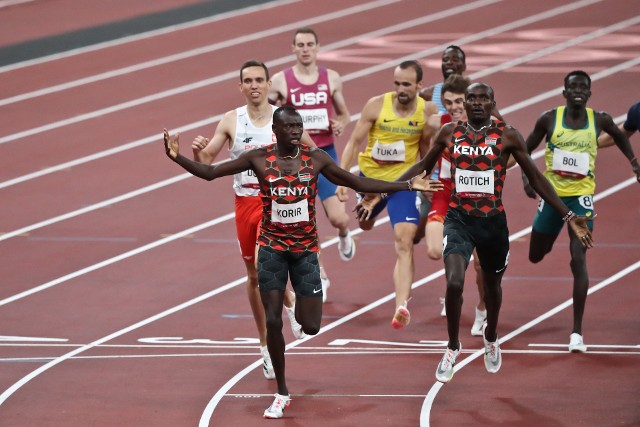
(285, 109)
(254, 63)
(305, 30)
(577, 73)
(412, 64)
(455, 83)
(459, 49)
(480, 84)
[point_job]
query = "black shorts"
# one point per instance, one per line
(302, 268)
(489, 235)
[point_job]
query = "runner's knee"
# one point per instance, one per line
(274, 323)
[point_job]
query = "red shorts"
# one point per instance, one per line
(440, 202)
(248, 218)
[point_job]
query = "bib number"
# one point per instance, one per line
(586, 202)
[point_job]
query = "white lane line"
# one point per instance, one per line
(616, 351)
(435, 388)
(110, 336)
(143, 190)
(9, 391)
(14, 387)
(477, 37)
(214, 119)
(203, 83)
(261, 395)
(208, 411)
(7, 3)
(95, 206)
(148, 247)
(145, 35)
(564, 346)
(253, 36)
(431, 395)
(213, 403)
(191, 230)
(230, 75)
(115, 259)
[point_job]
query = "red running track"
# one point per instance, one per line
(122, 299)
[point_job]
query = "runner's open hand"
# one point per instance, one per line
(419, 182)
(199, 144)
(365, 207)
(581, 230)
(171, 144)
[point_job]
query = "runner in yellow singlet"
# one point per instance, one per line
(394, 126)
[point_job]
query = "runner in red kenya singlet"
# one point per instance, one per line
(287, 172)
(479, 150)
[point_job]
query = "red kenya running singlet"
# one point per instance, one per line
(288, 205)
(478, 169)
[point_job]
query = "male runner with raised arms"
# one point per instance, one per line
(243, 129)
(287, 172)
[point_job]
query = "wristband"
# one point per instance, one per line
(569, 216)
(409, 184)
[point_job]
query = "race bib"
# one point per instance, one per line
(570, 164)
(248, 179)
(474, 184)
(289, 213)
(316, 119)
(388, 153)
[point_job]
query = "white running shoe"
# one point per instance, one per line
(443, 313)
(576, 344)
(346, 247)
(444, 371)
(276, 410)
(296, 327)
(325, 285)
(481, 316)
(267, 366)
(492, 356)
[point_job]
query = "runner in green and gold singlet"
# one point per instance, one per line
(571, 134)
